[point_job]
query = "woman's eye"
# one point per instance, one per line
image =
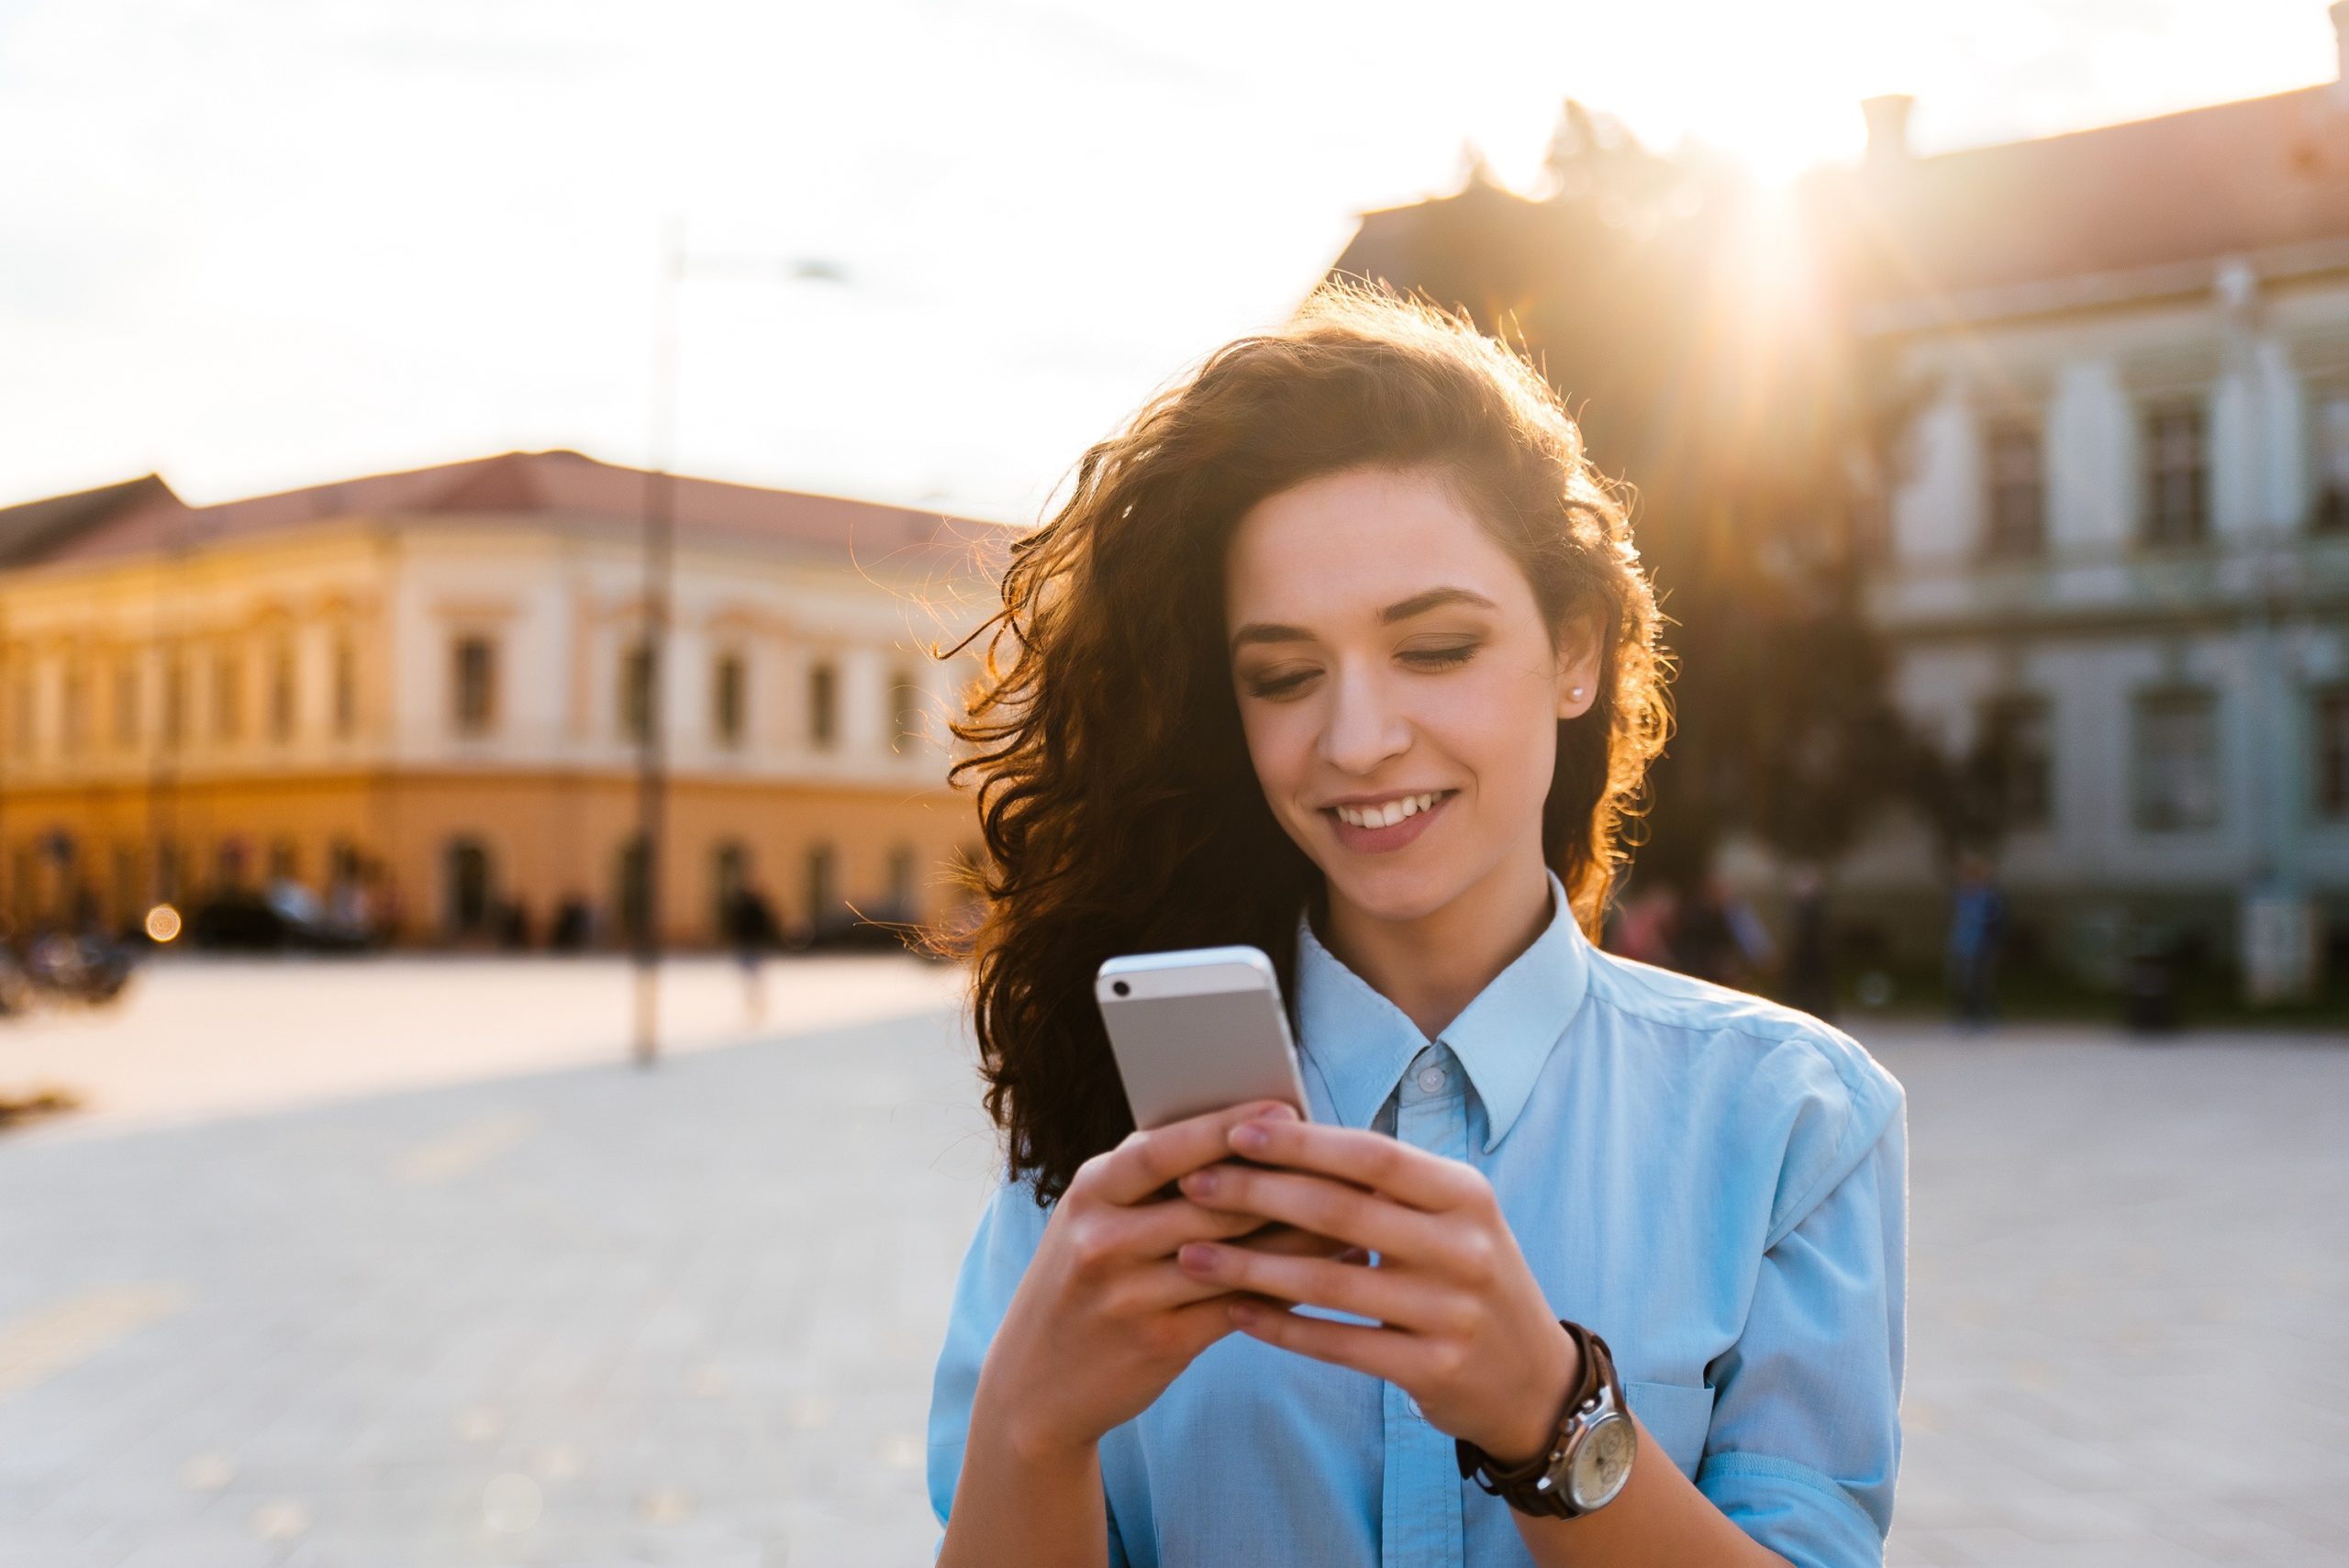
(1440, 658)
(1278, 685)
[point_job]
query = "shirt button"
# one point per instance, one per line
(1414, 1406)
(1430, 1080)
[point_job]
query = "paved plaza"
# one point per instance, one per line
(522, 1304)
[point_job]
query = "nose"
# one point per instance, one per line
(1365, 725)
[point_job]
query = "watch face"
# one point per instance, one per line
(1603, 1462)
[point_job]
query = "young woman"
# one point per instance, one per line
(1341, 649)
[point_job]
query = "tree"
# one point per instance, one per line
(1669, 302)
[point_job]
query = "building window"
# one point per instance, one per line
(125, 704)
(2332, 465)
(70, 706)
(174, 698)
(2177, 476)
(905, 710)
(346, 687)
(823, 890)
(823, 704)
(2176, 761)
(472, 684)
(284, 861)
(280, 690)
(729, 690)
(901, 882)
(469, 886)
(2016, 742)
(228, 714)
(2018, 491)
(635, 693)
(2332, 753)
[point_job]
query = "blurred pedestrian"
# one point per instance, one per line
(1977, 921)
(1810, 960)
(1722, 940)
(574, 925)
(1647, 924)
(751, 930)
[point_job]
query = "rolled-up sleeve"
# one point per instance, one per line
(1804, 1447)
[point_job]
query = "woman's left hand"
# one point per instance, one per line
(1463, 1328)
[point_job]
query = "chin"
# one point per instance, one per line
(1399, 896)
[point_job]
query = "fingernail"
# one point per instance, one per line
(1244, 1313)
(1249, 1136)
(1197, 1256)
(1199, 1183)
(1279, 1110)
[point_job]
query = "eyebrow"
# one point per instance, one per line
(1402, 609)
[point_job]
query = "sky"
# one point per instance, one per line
(260, 244)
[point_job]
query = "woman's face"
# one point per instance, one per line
(1399, 690)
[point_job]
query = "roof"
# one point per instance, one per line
(144, 516)
(2259, 176)
(27, 530)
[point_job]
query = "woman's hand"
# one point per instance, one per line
(1103, 1318)
(1462, 1327)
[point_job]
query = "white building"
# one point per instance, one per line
(2116, 523)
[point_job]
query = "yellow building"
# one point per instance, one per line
(430, 687)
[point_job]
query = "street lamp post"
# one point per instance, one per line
(650, 663)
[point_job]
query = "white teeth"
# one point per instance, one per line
(1389, 814)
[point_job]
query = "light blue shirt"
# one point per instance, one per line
(1716, 1185)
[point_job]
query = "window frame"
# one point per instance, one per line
(2329, 753)
(472, 713)
(2144, 709)
(730, 699)
(2001, 539)
(2155, 528)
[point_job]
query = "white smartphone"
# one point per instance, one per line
(1198, 1031)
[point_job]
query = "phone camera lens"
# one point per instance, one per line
(1121, 988)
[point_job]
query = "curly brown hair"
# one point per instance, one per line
(1115, 792)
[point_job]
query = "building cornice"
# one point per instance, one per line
(2137, 286)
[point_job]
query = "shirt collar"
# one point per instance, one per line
(1362, 1042)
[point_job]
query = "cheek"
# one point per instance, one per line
(1280, 745)
(1502, 728)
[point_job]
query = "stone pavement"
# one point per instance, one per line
(593, 1316)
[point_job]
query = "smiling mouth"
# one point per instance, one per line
(1386, 814)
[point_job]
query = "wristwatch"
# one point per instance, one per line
(1587, 1460)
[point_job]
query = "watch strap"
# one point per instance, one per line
(1529, 1487)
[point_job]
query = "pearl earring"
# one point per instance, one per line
(1575, 693)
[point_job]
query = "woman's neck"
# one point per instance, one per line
(1434, 966)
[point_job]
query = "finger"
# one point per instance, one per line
(1398, 1298)
(1202, 1323)
(1148, 1160)
(1157, 1287)
(1325, 1207)
(1156, 1229)
(1387, 1353)
(1371, 1160)
(1289, 1241)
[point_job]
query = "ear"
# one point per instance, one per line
(1580, 655)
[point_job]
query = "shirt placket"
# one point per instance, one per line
(1420, 1524)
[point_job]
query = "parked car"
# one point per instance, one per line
(284, 916)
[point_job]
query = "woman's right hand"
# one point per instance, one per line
(1104, 1318)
